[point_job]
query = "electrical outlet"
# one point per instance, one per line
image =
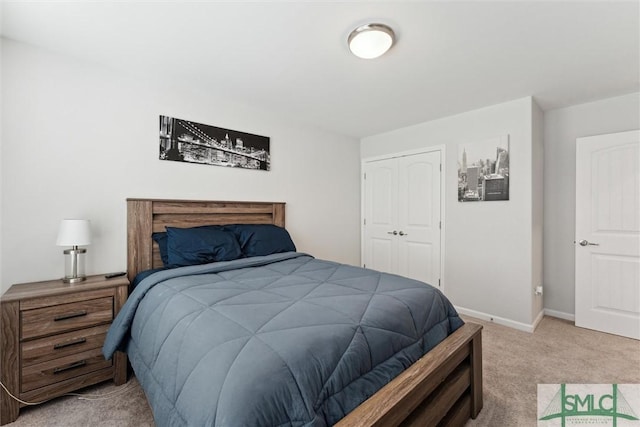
(538, 290)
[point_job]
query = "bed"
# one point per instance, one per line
(396, 387)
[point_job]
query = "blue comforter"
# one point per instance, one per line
(280, 340)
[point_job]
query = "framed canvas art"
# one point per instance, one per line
(483, 170)
(186, 141)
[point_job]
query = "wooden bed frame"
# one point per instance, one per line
(443, 388)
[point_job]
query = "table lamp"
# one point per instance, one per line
(74, 233)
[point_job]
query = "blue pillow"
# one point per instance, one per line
(201, 245)
(161, 240)
(262, 239)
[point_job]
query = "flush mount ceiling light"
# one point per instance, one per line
(371, 40)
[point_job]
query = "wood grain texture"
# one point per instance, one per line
(66, 317)
(392, 404)
(67, 386)
(278, 214)
(476, 377)
(76, 296)
(10, 360)
(139, 230)
(53, 371)
(43, 294)
(160, 222)
(119, 358)
(438, 404)
(216, 208)
(54, 347)
(459, 414)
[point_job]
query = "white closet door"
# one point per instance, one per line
(419, 217)
(381, 215)
(402, 216)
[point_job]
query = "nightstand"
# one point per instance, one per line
(51, 336)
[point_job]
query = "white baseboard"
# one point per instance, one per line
(501, 320)
(560, 315)
(512, 323)
(538, 319)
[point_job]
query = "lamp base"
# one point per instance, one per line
(74, 265)
(74, 279)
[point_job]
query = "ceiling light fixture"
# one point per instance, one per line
(371, 40)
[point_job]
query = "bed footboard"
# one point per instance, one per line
(443, 388)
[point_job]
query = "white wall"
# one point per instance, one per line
(79, 139)
(488, 245)
(537, 160)
(561, 129)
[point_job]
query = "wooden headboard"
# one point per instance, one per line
(147, 216)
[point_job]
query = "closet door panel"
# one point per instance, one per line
(381, 215)
(419, 217)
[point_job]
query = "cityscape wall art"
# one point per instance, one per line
(483, 170)
(186, 141)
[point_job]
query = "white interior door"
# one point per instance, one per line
(608, 233)
(401, 232)
(381, 217)
(419, 217)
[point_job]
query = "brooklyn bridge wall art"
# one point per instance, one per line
(191, 142)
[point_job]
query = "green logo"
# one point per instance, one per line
(588, 404)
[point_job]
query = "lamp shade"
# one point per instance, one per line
(371, 40)
(74, 232)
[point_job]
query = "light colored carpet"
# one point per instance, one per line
(514, 363)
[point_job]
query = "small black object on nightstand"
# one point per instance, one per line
(112, 275)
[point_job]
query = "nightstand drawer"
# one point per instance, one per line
(49, 348)
(53, 371)
(66, 317)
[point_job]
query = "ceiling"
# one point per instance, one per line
(292, 59)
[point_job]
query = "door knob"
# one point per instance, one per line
(587, 243)
(402, 233)
(394, 232)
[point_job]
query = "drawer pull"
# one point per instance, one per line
(70, 315)
(71, 366)
(69, 343)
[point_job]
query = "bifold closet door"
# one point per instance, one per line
(402, 216)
